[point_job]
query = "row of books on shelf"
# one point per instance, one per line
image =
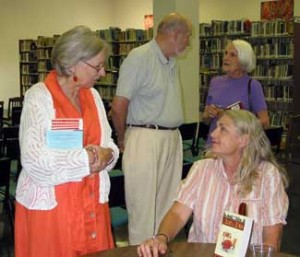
(213, 45)
(278, 93)
(28, 79)
(27, 45)
(43, 41)
(42, 75)
(111, 78)
(278, 70)
(30, 68)
(114, 62)
(211, 61)
(133, 35)
(116, 34)
(272, 27)
(276, 105)
(221, 27)
(245, 26)
(106, 93)
(279, 118)
(26, 87)
(203, 95)
(124, 47)
(273, 47)
(44, 65)
(281, 47)
(205, 78)
(44, 53)
(204, 81)
(35, 55)
(110, 34)
(28, 56)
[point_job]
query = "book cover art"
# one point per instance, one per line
(234, 235)
(269, 10)
(148, 21)
(279, 9)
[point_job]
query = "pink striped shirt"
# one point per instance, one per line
(208, 193)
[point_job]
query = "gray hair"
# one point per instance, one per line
(246, 54)
(77, 44)
(257, 150)
(174, 22)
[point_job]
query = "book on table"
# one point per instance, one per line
(234, 235)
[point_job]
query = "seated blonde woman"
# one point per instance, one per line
(243, 170)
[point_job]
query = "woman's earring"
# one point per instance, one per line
(75, 78)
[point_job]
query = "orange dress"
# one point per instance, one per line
(79, 224)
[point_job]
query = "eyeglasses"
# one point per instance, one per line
(96, 68)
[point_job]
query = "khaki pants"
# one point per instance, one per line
(152, 164)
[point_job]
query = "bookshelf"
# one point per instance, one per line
(122, 42)
(44, 49)
(273, 44)
(35, 57)
(27, 64)
(296, 73)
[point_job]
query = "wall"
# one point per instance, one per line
(229, 10)
(30, 18)
(130, 13)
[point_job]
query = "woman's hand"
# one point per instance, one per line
(105, 156)
(212, 111)
(153, 247)
(99, 157)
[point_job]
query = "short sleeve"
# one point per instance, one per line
(188, 192)
(131, 74)
(257, 97)
(275, 198)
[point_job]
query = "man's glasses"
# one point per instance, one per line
(96, 68)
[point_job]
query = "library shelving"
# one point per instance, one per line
(296, 73)
(27, 64)
(122, 42)
(44, 49)
(35, 57)
(273, 44)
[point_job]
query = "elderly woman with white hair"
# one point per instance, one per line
(236, 88)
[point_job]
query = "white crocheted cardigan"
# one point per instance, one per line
(42, 167)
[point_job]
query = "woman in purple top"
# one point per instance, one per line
(231, 89)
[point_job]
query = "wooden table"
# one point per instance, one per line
(180, 249)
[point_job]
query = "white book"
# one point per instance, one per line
(234, 235)
(65, 133)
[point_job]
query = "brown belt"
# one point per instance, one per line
(151, 126)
